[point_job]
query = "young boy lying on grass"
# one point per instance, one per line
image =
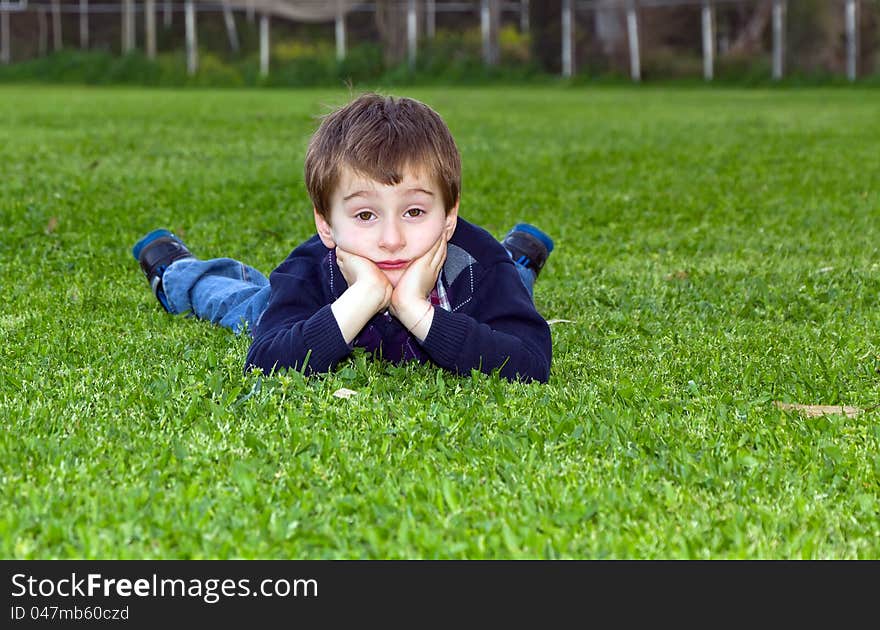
(392, 268)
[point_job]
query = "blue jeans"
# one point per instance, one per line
(528, 278)
(221, 290)
(231, 294)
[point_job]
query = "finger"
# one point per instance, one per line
(440, 255)
(356, 259)
(347, 266)
(441, 242)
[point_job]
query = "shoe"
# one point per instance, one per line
(155, 252)
(528, 246)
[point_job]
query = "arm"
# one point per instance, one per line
(302, 328)
(298, 324)
(368, 293)
(409, 301)
(498, 328)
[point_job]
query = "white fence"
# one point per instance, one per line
(489, 12)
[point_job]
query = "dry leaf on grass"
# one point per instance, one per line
(52, 225)
(814, 411)
(681, 274)
(342, 392)
(559, 321)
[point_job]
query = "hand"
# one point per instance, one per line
(409, 301)
(362, 274)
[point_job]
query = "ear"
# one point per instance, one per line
(325, 232)
(451, 221)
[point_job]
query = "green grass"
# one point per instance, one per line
(717, 250)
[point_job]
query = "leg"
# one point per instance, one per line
(222, 291)
(528, 277)
(529, 248)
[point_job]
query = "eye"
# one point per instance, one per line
(364, 215)
(414, 212)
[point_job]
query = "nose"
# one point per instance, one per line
(391, 238)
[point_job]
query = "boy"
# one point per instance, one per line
(392, 268)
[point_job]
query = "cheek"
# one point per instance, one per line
(423, 243)
(424, 239)
(357, 244)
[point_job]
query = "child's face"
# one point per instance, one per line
(389, 225)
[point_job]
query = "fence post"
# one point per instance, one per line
(778, 38)
(411, 33)
(166, 14)
(484, 30)
(5, 56)
(567, 38)
(57, 43)
(150, 27)
(231, 31)
(128, 36)
(192, 50)
(264, 44)
(632, 27)
(852, 39)
(489, 19)
(340, 32)
(42, 32)
(430, 18)
(524, 16)
(84, 24)
(708, 42)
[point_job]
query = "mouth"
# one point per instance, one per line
(392, 264)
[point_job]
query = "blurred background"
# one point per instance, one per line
(309, 42)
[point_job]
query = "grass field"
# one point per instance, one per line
(717, 251)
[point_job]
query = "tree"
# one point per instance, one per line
(391, 23)
(751, 38)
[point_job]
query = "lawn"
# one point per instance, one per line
(716, 253)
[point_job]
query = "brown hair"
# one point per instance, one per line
(380, 137)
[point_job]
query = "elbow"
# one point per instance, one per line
(534, 366)
(260, 356)
(536, 370)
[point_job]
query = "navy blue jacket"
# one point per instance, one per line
(485, 320)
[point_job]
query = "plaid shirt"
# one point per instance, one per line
(386, 337)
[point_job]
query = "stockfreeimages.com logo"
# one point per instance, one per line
(209, 590)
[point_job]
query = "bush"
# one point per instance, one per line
(666, 63)
(363, 63)
(744, 70)
(457, 57)
(213, 72)
(61, 67)
(133, 68)
(451, 57)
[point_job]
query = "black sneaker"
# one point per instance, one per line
(155, 252)
(528, 246)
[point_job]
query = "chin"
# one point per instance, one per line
(393, 278)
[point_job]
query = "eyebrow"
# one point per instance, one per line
(368, 193)
(357, 193)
